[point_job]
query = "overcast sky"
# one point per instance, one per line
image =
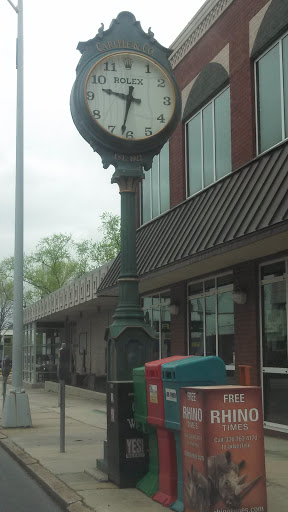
(66, 188)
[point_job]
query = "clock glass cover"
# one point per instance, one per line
(129, 96)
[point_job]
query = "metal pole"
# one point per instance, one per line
(16, 412)
(18, 248)
(62, 416)
(4, 390)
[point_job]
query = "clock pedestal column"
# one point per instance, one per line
(130, 343)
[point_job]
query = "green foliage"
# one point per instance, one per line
(59, 259)
(108, 248)
(52, 264)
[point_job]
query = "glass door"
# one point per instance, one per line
(274, 344)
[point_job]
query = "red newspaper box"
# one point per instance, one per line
(155, 397)
(223, 449)
(167, 492)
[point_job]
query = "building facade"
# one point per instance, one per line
(76, 316)
(212, 242)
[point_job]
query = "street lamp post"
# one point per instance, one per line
(16, 412)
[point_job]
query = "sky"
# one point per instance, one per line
(66, 188)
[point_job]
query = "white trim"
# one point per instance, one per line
(256, 106)
(214, 137)
(282, 89)
(202, 148)
(159, 184)
(270, 369)
(273, 280)
(275, 426)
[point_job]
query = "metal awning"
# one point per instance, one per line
(239, 211)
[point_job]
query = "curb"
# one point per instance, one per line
(66, 497)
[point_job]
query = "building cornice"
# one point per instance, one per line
(196, 28)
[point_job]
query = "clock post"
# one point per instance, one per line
(125, 103)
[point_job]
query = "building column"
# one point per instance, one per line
(179, 321)
(246, 317)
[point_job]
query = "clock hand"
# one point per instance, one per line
(121, 95)
(128, 105)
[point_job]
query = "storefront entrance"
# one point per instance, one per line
(274, 344)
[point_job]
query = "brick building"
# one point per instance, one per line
(212, 240)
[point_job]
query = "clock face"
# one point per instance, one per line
(129, 96)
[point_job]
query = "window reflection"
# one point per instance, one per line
(155, 190)
(275, 398)
(274, 324)
(156, 313)
(196, 327)
(208, 149)
(212, 318)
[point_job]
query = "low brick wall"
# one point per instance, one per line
(74, 391)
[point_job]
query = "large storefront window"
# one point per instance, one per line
(40, 352)
(157, 315)
(211, 314)
(208, 136)
(272, 95)
(275, 342)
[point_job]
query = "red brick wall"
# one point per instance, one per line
(179, 322)
(232, 28)
(246, 317)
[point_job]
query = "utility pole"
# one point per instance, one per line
(16, 412)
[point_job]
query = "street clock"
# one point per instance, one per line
(125, 101)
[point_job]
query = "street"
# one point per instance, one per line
(19, 492)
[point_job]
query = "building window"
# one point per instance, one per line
(274, 291)
(156, 314)
(208, 142)
(155, 187)
(211, 319)
(272, 95)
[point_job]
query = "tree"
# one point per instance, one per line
(108, 248)
(59, 258)
(51, 265)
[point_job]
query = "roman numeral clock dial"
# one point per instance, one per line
(129, 96)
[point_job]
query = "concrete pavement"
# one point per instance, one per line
(72, 476)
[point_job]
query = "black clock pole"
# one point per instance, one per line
(130, 341)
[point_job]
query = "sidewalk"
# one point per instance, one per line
(72, 476)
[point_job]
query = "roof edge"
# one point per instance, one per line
(207, 15)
